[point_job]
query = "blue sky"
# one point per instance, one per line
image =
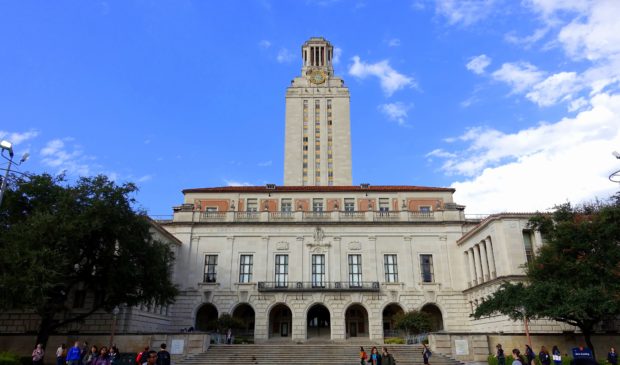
(515, 104)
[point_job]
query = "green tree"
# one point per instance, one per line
(413, 322)
(56, 237)
(575, 276)
(226, 321)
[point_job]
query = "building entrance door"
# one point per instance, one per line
(284, 329)
(353, 329)
(318, 322)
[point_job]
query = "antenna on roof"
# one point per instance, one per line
(271, 186)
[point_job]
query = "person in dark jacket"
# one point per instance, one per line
(102, 358)
(544, 357)
(612, 356)
(499, 354)
(163, 356)
(529, 355)
(426, 354)
(386, 357)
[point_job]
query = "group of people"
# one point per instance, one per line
(581, 356)
(376, 358)
(152, 357)
(93, 355)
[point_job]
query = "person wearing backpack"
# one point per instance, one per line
(163, 356)
(141, 358)
(426, 354)
(363, 356)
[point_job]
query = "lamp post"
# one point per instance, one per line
(115, 312)
(8, 146)
(615, 177)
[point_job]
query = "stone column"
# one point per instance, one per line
(468, 268)
(479, 276)
(472, 267)
(483, 261)
(490, 257)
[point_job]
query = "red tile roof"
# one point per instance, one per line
(316, 189)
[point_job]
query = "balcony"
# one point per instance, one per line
(312, 217)
(308, 286)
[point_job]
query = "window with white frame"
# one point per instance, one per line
(425, 209)
(281, 271)
(317, 205)
(349, 204)
(529, 247)
(252, 205)
(391, 268)
(286, 205)
(384, 204)
(355, 271)
(426, 268)
(318, 271)
(245, 268)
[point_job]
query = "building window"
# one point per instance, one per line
(252, 205)
(384, 204)
(355, 271)
(425, 209)
(426, 266)
(318, 271)
(391, 268)
(317, 205)
(245, 269)
(529, 248)
(210, 266)
(286, 205)
(211, 209)
(281, 271)
(349, 204)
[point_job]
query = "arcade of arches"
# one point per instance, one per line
(318, 320)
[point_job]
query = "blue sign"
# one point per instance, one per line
(584, 353)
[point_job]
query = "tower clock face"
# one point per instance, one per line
(316, 76)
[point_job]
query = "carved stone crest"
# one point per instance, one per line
(282, 245)
(355, 245)
(318, 245)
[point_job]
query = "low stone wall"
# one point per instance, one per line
(192, 343)
(477, 347)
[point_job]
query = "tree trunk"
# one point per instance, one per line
(44, 332)
(587, 333)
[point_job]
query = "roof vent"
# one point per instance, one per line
(364, 186)
(271, 186)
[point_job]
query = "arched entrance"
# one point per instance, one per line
(356, 321)
(318, 322)
(245, 314)
(436, 318)
(389, 323)
(206, 317)
(280, 321)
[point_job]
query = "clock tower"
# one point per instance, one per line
(317, 146)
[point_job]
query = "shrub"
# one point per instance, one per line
(8, 358)
(394, 341)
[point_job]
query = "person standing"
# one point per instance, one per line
(375, 356)
(426, 354)
(518, 359)
(37, 355)
(141, 358)
(386, 357)
(74, 355)
(499, 354)
(163, 356)
(530, 355)
(113, 355)
(612, 356)
(363, 356)
(229, 336)
(544, 357)
(90, 358)
(60, 354)
(102, 358)
(150, 357)
(556, 355)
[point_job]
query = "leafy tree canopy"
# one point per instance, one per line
(413, 322)
(57, 237)
(575, 276)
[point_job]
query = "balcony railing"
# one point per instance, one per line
(297, 286)
(333, 216)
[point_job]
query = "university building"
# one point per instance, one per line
(321, 259)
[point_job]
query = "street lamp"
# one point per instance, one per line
(8, 146)
(615, 177)
(115, 313)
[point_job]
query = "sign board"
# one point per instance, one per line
(461, 347)
(176, 348)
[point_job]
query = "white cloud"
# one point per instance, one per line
(337, 54)
(394, 42)
(16, 137)
(519, 75)
(237, 183)
(264, 44)
(478, 64)
(529, 40)
(285, 56)
(578, 105)
(438, 152)
(465, 12)
(396, 112)
(58, 155)
(390, 79)
(144, 178)
(535, 168)
(555, 88)
(265, 163)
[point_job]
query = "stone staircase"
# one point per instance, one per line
(306, 354)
